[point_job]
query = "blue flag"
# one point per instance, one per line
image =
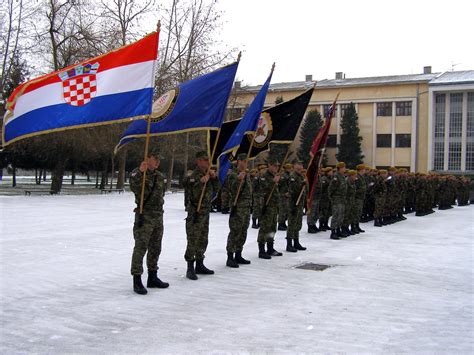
(197, 104)
(247, 124)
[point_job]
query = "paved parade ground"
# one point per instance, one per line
(65, 286)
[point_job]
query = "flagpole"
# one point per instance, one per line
(148, 128)
(278, 173)
(212, 158)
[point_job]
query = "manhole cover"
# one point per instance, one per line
(314, 267)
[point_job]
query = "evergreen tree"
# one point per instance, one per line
(308, 131)
(349, 151)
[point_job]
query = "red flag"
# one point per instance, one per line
(317, 152)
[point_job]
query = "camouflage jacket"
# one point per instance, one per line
(361, 187)
(337, 189)
(194, 186)
(154, 190)
(245, 195)
(265, 186)
(296, 183)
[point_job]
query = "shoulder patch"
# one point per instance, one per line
(263, 179)
(134, 173)
(192, 180)
(292, 179)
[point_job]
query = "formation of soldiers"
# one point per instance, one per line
(275, 198)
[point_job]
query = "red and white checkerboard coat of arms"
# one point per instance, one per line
(79, 84)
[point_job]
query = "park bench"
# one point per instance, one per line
(108, 191)
(44, 192)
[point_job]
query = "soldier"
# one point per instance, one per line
(360, 195)
(380, 195)
(350, 209)
(268, 185)
(337, 191)
(325, 207)
(257, 208)
(148, 227)
(240, 212)
(313, 215)
(186, 197)
(283, 206)
(225, 193)
(391, 201)
(297, 198)
(197, 223)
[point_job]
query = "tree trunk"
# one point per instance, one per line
(112, 171)
(73, 176)
(57, 175)
(44, 175)
(122, 160)
(88, 176)
(97, 179)
(171, 165)
(103, 178)
(13, 176)
(186, 155)
(36, 177)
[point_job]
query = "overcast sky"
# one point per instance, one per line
(357, 37)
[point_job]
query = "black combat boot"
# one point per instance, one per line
(353, 229)
(202, 269)
(378, 222)
(271, 251)
(154, 282)
(230, 261)
(297, 245)
(359, 229)
(341, 233)
(138, 286)
(282, 226)
(334, 234)
(312, 229)
(254, 223)
(225, 210)
(190, 273)
(346, 230)
(289, 246)
(323, 225)
(401, 216)
(239, 259)
(262, 254)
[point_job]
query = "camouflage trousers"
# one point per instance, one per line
(238, 223)
(147, 241)
(268, 224)
(295, 221)
(313, 214)
(225, 199)
(350, 212)
(338, 209)
(256, 208)
(197, 232)
(379, 210)
(283, 209)
(360, 209)
(325, 208)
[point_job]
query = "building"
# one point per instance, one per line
(420, 121)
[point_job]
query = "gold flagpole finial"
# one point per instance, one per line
(238, 57)
(158, 26)
(273, 67)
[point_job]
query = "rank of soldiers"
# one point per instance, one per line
(274, 197)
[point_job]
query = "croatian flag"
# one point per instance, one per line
(114, 87)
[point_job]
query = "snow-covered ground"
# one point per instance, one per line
(65, 286)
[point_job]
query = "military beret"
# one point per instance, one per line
(361, 167)
(273, 161)
(241, 156)
(253, 171)
(341, 164)
(297, 161)
(382, 171)
(202, 155)
(327, 169)
(288, 166)
(351, 172)
(262, 166)
(392, 168)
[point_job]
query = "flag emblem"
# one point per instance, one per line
(164, 105)
(264, 130)
(79, 84)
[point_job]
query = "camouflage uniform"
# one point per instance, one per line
(269, 214)
(296, 183)
(283, 206)
(380, 194)
(148, 232)
(360, 194)
(325, 207)
(350, 209)
(240, 213)
(337, 192)
(197, 223)
(313, 215)
(225, 194)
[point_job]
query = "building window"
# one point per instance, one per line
(403, 140)
(455, 115)
(384, 109)
(470, 132)
(344, 108)
(454, 156)
(326, 109)
(403, 108)
(384, 140)
(440, 111)
(332, 141)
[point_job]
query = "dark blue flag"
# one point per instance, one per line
(197, 104)
(247, 124)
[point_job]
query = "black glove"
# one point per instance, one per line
(140, 221)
